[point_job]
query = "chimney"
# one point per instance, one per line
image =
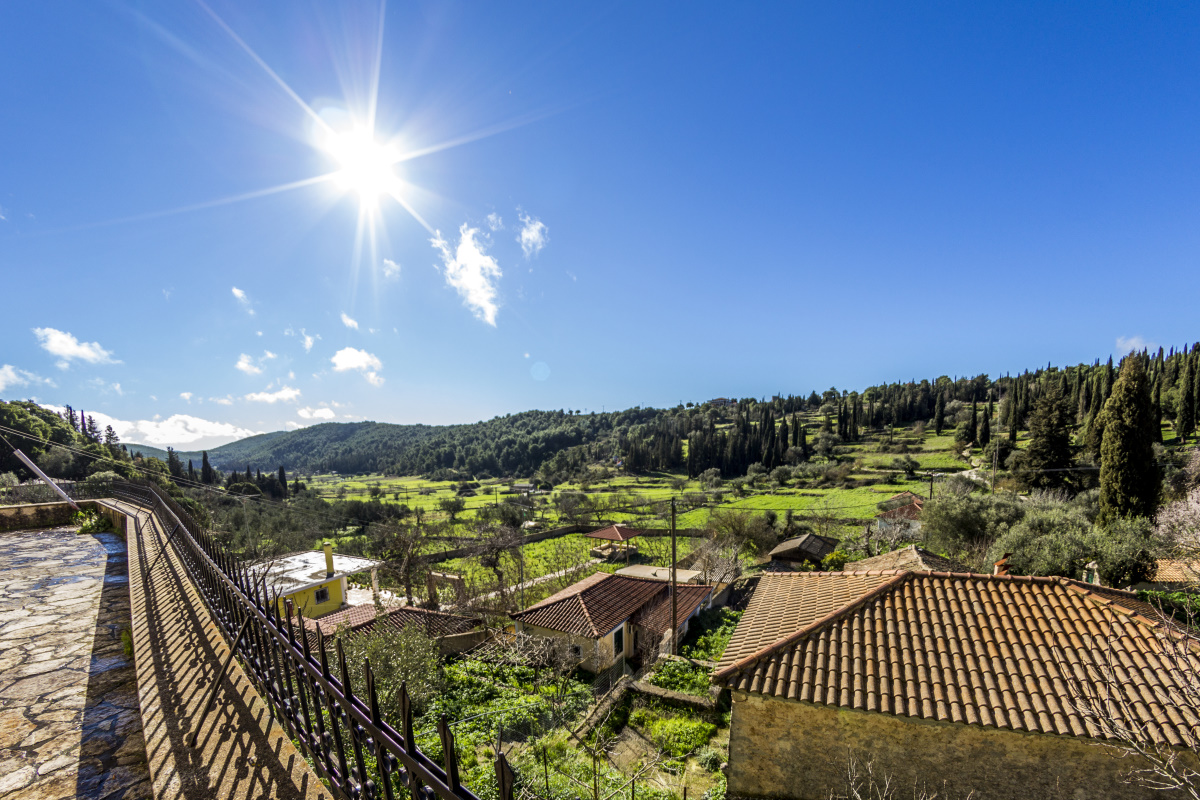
(328, 548)
(1091, 573)
(1002, 565)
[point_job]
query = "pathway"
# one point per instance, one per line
(69, 719)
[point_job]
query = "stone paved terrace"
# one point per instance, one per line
(69, 719)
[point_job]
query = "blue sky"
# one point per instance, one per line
(569, 207)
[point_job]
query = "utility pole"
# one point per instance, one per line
(931, 486)
(674, 603)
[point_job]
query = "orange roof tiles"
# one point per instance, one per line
(362, 619)
(656, 615)
(1001, 651)
(597, 604)
(614, 533)
(911, 557)
(1172, 570)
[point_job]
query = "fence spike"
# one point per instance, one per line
(345, 673)
(324, 660)
(291, 632)
(372, 697)
(449, 753)
(504, 777)
(407, 721)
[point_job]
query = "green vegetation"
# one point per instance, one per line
(680, 676)
(710, 634)
(90, 522)
(676, 735)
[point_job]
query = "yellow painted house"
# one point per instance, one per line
(314, 580)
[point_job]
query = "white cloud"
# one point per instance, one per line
(285, 394)
(494, 222)
(176, 430)
(348, 321)
(268, 355)
(349, 358)
(1129, 344)
(246, 364)
(186, 396)
(68, 348)
(244, 300)
(533, 235)
(471, 272)
(227, 400)
(258, 333)
(390, 268)
(10, 376)
(309, 341)
(292, 425)
(316, 413)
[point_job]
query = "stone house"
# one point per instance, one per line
(454, 632)
(971, 679)
(605, 618)
(912, 557)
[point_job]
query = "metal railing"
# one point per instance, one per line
(347, 740)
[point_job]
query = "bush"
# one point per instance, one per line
(680, 676)
(1048, 541)
(1122, 550)
(954, 524)
(90, 522)
(710, 634)
(710, 759)
(244, 489)
(675, 736)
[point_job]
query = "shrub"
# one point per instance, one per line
(710, 759)
(680, 676)
(712, 632)
(678, 736)
(1048, 541)
(90, 522)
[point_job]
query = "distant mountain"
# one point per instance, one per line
(516, 444)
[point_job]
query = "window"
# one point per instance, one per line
(322, 595)
(619, 640)
(576, 651)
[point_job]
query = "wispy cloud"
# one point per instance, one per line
(1129, 344)
(533, 236)
(348, 321)
(307, 339)
(68, 348)
(350, 358)
(390, 268)
(246, 364)
(11, 377)
(494, 222)
(186, 396)
(104, 387)
(227, 400)
(471, 272)
(284, 394)
(316, 413)
(244, 300)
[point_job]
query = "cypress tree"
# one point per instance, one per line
(1129, 478)
(974, 421)
(985, 428)
(803, 444)
(1049, 451)
(1186, 420)
(1158, 410)
(206, 471)
(939, 413)
(191, 471)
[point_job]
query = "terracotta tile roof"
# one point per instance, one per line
(810, 546)
(362, 619)
(910, 511)
(593, 606)
(614, 533)
(1172, 570)
(656, 615)
(1000, 651)
(911, 557)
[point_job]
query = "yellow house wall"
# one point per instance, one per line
(598, 654)
(305, 599)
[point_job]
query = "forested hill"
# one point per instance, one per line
(517, 444)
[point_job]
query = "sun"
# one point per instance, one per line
(367, 167)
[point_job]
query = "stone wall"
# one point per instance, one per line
(51, 515)
(787, 749)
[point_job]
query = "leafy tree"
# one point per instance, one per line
(970, 523)
(407, 657)
(452, 506)
(1129, 477)
(1049, 453)
(1052, 540)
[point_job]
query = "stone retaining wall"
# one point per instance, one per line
(51, 515)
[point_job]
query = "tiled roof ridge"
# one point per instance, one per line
(566, 593)
(1162, 625)
(852, 606)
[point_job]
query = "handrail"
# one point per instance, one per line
(320, 710)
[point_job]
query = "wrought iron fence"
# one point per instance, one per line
(41, 493)
(345, 736)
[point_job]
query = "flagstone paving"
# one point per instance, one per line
(70, 724)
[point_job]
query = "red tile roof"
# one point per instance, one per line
(362, 619)
(656, 615)
(1002, 651)
(597, 604)
(614, 533)
(911, 557)
(1173, 570)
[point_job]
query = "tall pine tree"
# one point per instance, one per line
(1129, 476)
(1048, 456)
